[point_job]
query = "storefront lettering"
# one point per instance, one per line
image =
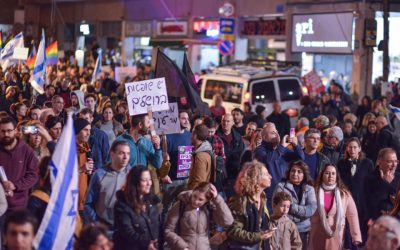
(264, 27)
(305, 28)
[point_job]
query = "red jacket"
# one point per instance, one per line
(21, 167)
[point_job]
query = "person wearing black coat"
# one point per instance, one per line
(369, 143)
(136, 215)
(354, 169)
(280, 119)
(381, 185)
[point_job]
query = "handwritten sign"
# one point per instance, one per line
(20, 53)
(167, 121)
(184, 161)
(122, 72)
(146, 94)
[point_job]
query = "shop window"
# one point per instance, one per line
(289, 89)
(230, 91)
(263, 92)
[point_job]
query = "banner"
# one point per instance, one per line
(313, 83)
(146, 95)
(122, 72)
(184, 161)
(167, 121)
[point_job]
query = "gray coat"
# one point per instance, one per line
(300, 211)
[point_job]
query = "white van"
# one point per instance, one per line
(241, 84)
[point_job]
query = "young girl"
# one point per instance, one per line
(187, 225)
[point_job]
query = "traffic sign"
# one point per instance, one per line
(227, 10)
(225, 47)
(227, 26)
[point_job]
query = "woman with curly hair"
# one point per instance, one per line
(334, 206)
(93, 237)
(250, 229)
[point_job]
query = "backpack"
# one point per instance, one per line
(218, 174)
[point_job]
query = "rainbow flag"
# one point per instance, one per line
(52, 54)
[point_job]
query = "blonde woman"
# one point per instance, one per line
(250, 229)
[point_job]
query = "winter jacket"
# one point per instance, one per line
(320, 240)
(369, 145)
(276, 161)
(300, 210)
(99, 147)
(232, 152)
(133, 230)
(246, 227)
(101, 194)
(334, 154)
(201, 165)
(322, 160)
(117, 127)
(142, 151)
(20, 167)
(194, 224)
(286, 236)
(378, 192)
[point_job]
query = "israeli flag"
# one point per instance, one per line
(39, 71)
(395, 110)
(6, 55)
(58, 224)
(97, 68)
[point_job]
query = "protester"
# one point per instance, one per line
(301, 127)
(93, 237)
(250, 129)
(238, 116)
(314, 159)
(187, 225)
(34, 112)
(369, 143)
(109, 125)
(354, 169)
(215, 141)
(334, 146)
(298, 185)
(54, 125)
(136, 219)
(217, 109)
(260, 117)
(274, 153)
(384, 234)
(280, 119)
(250, 229)
(382, 184)
(90, 103)
(20, 228)
(77, 101)
(49, 91)
(286, 235)
(334, 206)
(104, 184)
(19, 163)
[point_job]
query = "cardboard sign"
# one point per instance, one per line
(167, 121)
(184, 161)
(144, 95)
(122, 72)
(20, 53)
(313, 83)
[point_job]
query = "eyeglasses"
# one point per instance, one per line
(380, 228)
(394, 162)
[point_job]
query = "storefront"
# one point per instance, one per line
(137, 41)
(265, 37)
(325, 44)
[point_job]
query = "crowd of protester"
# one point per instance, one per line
(251, 184)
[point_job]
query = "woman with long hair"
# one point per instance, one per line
(334, 206)
(136, 217)
(369, 143)
(354, 168)
(109, 125)
(250, 229)
(298, 184)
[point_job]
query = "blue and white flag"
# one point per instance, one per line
(39, 71)
(395, 111)
(97, 68)
(6, 55)
(58, 225)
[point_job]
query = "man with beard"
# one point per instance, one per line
(142, 149)
(49, 91)
(19, 163)
(276, 155)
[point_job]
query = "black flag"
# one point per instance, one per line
(187, 71)
(178, 85)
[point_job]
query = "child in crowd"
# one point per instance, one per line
(286, 235)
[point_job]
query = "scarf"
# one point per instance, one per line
(339, 209)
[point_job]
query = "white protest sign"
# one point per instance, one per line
(20, 53)
(122, 72)
(143, 95)
(167, 121)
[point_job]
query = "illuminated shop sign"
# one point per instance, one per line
(172, 28)
(206, 28)
(264, 27)
(322, 33)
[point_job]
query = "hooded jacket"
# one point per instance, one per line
(194, 224)
(201, 165)
(81, 101)
(286, 236)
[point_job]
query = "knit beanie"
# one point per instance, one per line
(80, 124)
